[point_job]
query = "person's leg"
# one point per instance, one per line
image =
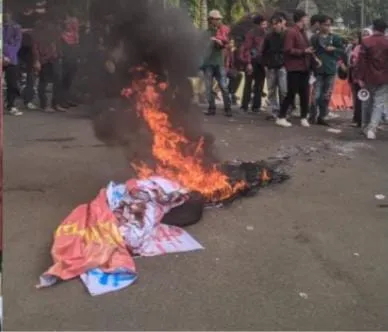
(259, 79)
(28, 93)
(367, 108)
(57, 96)
(357, 106)
(11, 80)
(208, 79)
(316, 97)
(378, 107)
(304, 94)
(220, 76)
(282, 84)
(42, 85)
(292, 84)
(69, 70)
(234, 82)
(327, 91)
(247, 92)
(272, 80)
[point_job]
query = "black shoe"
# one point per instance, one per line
(312, 120)
(245, 109)
(210, 112)
(64, 105)
(255, 110)
(322, 122)
(228, 113)
(71, 103)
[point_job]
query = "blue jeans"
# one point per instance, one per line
(277, 88)
(323, 91)
(373, 108)
(219, 74)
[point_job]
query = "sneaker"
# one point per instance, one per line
(332, 115)
(283, 123)
(15, 112)
(304, 123)
(228, 113)
(322, 122)
(244, 109)
(370, 134)
(210, 112)
(31, 106)
(60, 108)
(48, 110)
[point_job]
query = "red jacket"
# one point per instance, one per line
(222, 34)
(251, 48)
(372, 64)
(295, 43)
(46, 44)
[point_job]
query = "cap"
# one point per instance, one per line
(215, 14)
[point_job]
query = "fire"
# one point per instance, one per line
(169, 145)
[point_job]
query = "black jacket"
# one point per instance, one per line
(273, 50)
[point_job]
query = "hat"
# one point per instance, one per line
(215, 14)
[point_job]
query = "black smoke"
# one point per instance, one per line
(165, 41)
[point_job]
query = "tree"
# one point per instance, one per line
(203, 12)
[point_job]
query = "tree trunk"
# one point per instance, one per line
(203, 14)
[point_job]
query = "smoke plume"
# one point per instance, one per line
(164, 40)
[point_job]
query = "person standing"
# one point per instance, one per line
(273, 59)
(47, 62)
(12, 41)
(329, 49)
(297, 60)
(213, 66)
(233, 74)
(28, 20)
(353, 59)
(70, 48)
(371, 72)
(254, 70)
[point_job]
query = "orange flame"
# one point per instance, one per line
(168, 146)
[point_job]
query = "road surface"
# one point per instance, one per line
(309, 254)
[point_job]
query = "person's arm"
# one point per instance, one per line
(13, 46)
(359, 68)
(222, 35)
(289, 45)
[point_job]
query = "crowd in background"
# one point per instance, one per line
(304, 60)
(46, 51)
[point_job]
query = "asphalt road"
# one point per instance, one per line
(310, 254)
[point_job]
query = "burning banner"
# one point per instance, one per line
(144, 217)
(97, 241)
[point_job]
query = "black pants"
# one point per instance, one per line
(28, 91)
(11, 73)
(235, 78)
(357, 105)
(297, 83)
(258, 78)
(50, 72)
(69, 69)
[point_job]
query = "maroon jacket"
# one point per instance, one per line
(295, 43)
(251, 48)
(46, 45)
(372, 64)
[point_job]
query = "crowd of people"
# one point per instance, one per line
(302, 59)
(46, 51)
